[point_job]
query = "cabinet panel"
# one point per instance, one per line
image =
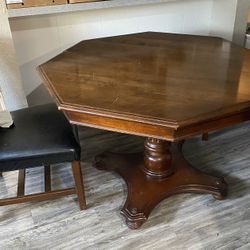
(84, 1)
(34, 3)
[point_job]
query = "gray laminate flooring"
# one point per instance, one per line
(186, 221)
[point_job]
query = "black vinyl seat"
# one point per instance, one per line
(41, 136)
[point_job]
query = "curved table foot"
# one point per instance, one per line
(145, 191)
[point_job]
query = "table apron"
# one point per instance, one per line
(153, 130)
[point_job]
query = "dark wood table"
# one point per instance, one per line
(165, 87)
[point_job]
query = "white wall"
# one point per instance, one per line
(39, 38)
(241, 21)
(10, 81)
(229, 19)
(223, 18)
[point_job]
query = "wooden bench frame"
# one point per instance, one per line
(48, 193)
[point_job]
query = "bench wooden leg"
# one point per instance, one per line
(49, 194)
(47, 179)
(205, 137)
(75, 131)
(21, 183)
(77, 173)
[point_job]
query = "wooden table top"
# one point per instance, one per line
(173, 82)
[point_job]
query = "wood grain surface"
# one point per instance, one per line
(167, 86)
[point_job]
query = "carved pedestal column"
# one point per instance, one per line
(157, 158)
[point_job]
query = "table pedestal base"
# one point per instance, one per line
(147, 187)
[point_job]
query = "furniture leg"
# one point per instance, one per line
(47, 178)
(205, 137)
(77, 173)
(21, 183)
(48, 193)
(75, 131)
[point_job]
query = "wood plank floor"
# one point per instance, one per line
(186, 221)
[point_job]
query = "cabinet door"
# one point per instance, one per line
(33, 3)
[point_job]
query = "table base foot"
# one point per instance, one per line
(145, 192)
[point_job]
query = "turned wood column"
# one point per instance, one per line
(157, 158)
